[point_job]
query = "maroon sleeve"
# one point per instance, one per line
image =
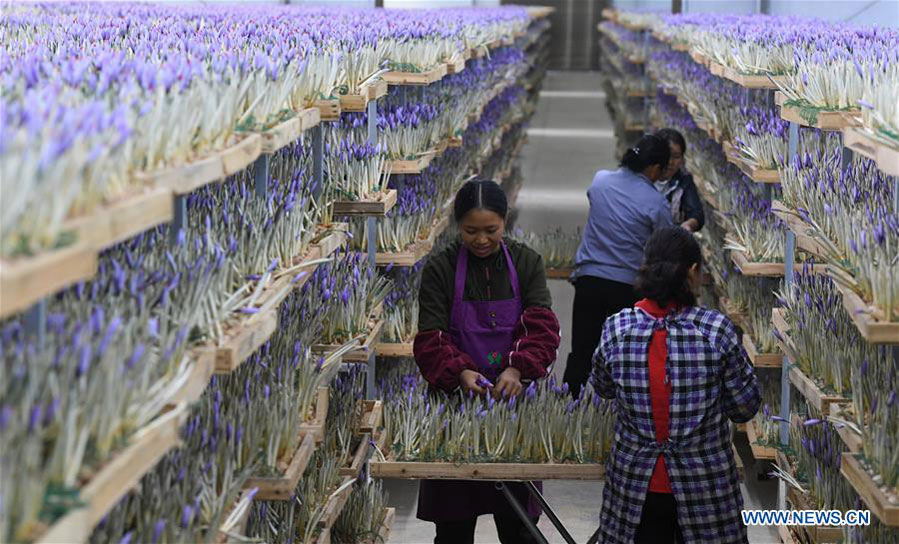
(439, 360)
(536, 344)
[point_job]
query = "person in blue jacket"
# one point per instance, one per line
(677, 185)
(625, 209)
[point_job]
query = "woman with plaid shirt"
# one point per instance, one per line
(677, 374)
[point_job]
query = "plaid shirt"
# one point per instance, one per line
(712, 380)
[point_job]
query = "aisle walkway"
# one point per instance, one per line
(570, 137)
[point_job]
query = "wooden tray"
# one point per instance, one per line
(818, 534)
(812, 393)
(886, 157)
(760, 360)
(750, 268)
(377, 205)
(745, 80)
(371, 90)
(329, 108)
(118, 221)
(806, 240)
(292, 466)
(357, 459)
(189, 177)
(874, 497)
(289, 131)
(372, 416)
(387, 349)
(250, 332)
(873, 329)
(335, 507)
(316, 425)
(826, 120)
(118, 476)
(413, 78)
(25, 281)
(418, 250)
(760, 452)
(414, 166)
(486, 471)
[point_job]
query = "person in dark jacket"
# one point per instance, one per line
(678, 374)
(486, 324)
(625, 209)
(677, 184)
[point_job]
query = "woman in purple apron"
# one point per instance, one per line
(484, 316)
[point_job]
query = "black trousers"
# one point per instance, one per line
(658, 522)
(511, 530)
(595, 299)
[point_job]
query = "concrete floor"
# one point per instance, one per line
(570, 138)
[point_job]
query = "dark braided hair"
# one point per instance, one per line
(648, 151)
(480, 194)
(668, 256)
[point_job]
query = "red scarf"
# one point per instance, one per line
(659, 390)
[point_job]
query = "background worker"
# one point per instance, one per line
(625, 209)
(677, 184)
(677, 374)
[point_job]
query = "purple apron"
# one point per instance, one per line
(485, 330)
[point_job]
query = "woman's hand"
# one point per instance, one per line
(473, 381)
(508, 384)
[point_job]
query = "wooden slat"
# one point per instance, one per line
(25, 281)
(885, 156)
(370, 91)
(315, 426)
(115, 478)
(866, 318)
(241, 341)
(372, 416)
(242, 154)
(760, 360)
(870, 492)
(812, 393)
(329, 108)
(357, 459)
(377, 205)
(250, 332)
(418, 250)
(120, 220)
(412, 78)
(124, 471)
(826, 120)
(413, 166)
(387, 349)
(486, 471)
(335, 507)
(759, 451)
(359, 354)
(738, 461)
(280, 488)
(806, 239)
(749, 268)
(744, 80)
(289, 131)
